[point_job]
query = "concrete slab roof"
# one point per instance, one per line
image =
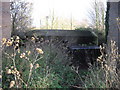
(56, 32)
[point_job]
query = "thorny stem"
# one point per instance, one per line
(13, 59)
(22, 81)
(14, 66)
(76, 71)
(8, 55)
(30, 73)
(31, 68)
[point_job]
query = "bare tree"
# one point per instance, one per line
(55, 22)
(21, 15)
(53, 19)
(97, 15)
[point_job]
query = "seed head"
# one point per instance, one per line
(33, 38)
(37, 66)
(17, 37)
(28, 52)
(12, 83)
(39, 50)
(9, 43)
(13, 72)
(22, 55)
(4, 40)
(8, 71)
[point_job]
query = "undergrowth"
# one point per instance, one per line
(44, 64)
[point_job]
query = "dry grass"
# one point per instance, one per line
(105, 73)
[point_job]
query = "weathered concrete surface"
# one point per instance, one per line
(73, 37)
(114, 32)
(6, 19)
(5, 26)
(53, 32)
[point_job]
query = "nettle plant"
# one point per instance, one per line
(18, 65)
(42, 64)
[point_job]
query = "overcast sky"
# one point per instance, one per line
(62, 8)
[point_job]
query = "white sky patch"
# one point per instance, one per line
(62, 8)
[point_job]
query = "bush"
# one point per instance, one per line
(100, 34)
(46, 65)
(105, 73)
(30, 66)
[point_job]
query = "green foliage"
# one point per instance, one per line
(82, 28)
(104, 73)
(94, 78)
(33, 68)
(53, 70)
(100, 34)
